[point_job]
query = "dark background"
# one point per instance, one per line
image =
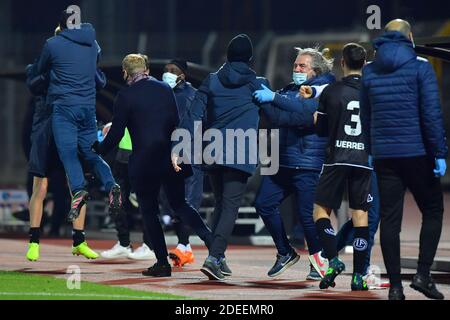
(183, 28)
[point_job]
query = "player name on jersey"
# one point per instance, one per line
(349, 145)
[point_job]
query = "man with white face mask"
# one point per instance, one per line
(175, 76)
(302, 154)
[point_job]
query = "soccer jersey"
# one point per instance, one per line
(338, 118)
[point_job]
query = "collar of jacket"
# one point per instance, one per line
(137, 77)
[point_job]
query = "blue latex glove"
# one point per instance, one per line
(100, 136)
(441, 166)
(264, 95)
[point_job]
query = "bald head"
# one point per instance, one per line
(399, 25)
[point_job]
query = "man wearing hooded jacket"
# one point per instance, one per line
(71, 58)
(225, 102)
(400, 107)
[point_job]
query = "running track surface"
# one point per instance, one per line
(249, 266)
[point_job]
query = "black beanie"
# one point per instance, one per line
(180, 63)
(240, 49)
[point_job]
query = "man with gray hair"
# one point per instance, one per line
(302, 154)
(401, 109)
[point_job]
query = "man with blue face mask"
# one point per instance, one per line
(302, 154)
(175, 76)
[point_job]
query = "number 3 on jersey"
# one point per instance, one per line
(349, 130)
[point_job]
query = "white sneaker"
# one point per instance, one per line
(319, 263)
(142, 253)
(116, 252)
(374, 282)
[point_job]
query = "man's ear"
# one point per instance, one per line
(342, 63)
(182, 77)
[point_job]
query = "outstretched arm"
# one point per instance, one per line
(119, 123)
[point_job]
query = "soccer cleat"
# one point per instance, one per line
(78, 201)
(335, 267)
(226, 271)
(33, 251)
(158, 270)
(374, 282)
(319, 263)
(116, 252)
(358, 283)
(84, 250)
(211, 268)
(142, 253)
(181, 258)
(115, 200)
(426, 286)
(283, 263)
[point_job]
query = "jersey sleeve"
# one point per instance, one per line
(322, 117)
(317, 90)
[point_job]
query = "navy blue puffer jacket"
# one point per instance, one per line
(400, 102)
(300, 147)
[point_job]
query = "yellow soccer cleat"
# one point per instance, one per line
(83, 249)
(33, 251)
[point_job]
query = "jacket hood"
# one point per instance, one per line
(84, 36)
(235, 74)
(393, 50)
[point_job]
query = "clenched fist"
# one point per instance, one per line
(306, 92)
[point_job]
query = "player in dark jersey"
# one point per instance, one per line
(346, 165)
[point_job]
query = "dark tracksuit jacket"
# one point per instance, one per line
(71, 58)
(149, 110)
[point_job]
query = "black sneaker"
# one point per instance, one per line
(226, 271)
(211, 268)
(426, 286)
(78, 201)
(396, 293)
(282, 263)
(335, 268)
(158, 270)
(115, 200)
